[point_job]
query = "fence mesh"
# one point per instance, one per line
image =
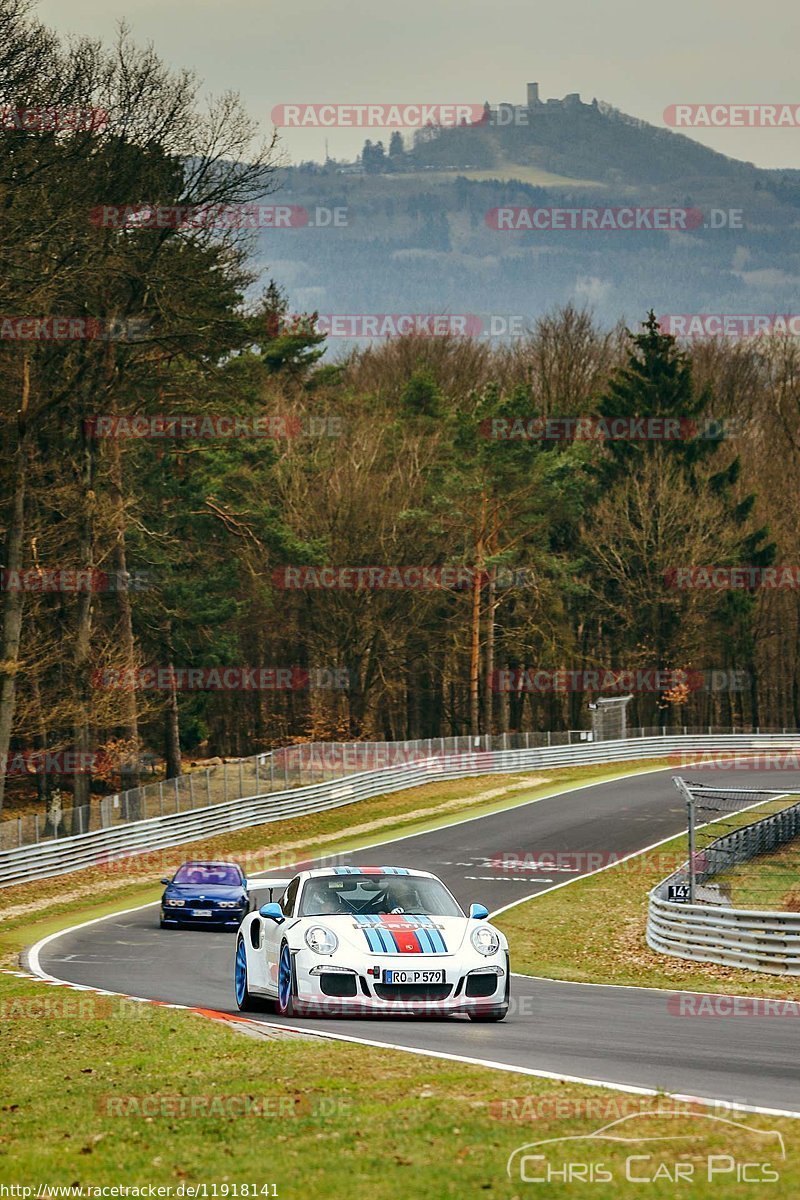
(291, 767)
(746, 846)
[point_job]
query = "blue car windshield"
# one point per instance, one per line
(208, 875)
(374, 894)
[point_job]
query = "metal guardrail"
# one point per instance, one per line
(752, 939)
(287, 768)
(273, 771)
(63, 855)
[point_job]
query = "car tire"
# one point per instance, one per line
(286, 1004)
(245, 1000)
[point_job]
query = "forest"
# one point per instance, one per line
(219, 535)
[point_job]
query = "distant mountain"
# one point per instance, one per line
(584, 141)
(414, 232)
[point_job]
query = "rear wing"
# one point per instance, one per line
(269, 883)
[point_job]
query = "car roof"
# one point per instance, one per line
(342, 872)
(204, 862)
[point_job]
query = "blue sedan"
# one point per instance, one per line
(205, 893)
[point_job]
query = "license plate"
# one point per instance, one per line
(413, 976)
(201, 912)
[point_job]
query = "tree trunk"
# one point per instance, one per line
(488, 695)
(129, 770)
(83, 639)
(475, 631)
(172, 729)
(12, 598)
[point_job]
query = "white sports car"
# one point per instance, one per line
(370, 940)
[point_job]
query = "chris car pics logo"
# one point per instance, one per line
(703, 1149)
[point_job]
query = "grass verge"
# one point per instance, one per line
(99, 1091)
(770, 882)
(593, 931)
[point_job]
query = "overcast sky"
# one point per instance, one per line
(641, 57)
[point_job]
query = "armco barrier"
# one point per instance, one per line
(88, 849)
(752, 939)
(758, 941)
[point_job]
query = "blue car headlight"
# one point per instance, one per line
(174, 903)
(231, 903)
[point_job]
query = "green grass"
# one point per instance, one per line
(593, 931)
(101, 1091)
(505, 173)
(770, 882)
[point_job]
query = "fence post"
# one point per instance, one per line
(272, 771)
(177, 798)
(241, 778)
(161, 795)
(208, 784)
(224, 783)
(258, 789)
(36, 827)
(19, 831)
(191, 791)
(690, 816)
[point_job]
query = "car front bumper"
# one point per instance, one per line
(468, 987)
(229, 917)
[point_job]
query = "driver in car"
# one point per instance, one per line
(322, 900)
(403, 897)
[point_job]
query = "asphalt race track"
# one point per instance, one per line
(623, 1036)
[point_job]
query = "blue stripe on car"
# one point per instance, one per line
(373, 941)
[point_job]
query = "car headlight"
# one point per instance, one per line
(321, 940)
(174, 903)
(485, 940)
(230, 903)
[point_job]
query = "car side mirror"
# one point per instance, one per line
(273, 912)
(166, 881)
(244, 884)
(478, 911)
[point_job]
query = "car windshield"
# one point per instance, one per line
(208, 875)
(337, 895)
